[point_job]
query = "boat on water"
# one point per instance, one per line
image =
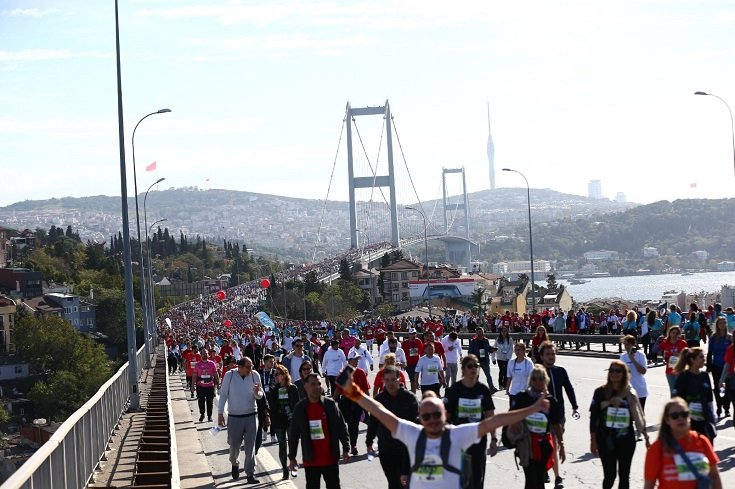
(577, 281)
(686, 274)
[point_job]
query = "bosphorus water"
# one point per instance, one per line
(649, 287)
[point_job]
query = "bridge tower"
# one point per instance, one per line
(370, 181)
(457, 251)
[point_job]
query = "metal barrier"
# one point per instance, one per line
(68, 459)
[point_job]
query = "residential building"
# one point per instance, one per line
(12, 368)
(5, 234)
(511, 296)
(601, 255)
(523, 266)
(650, 252)
(21, 282)
(701, 255)
(726, 266)
(594, 189)
(78, 312)
(395, 279)
(558, 298)
(7, 324)
(368, 281)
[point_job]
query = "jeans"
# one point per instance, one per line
(486, 368)
(389, 461)
(282, 446)
(330, 474)
(616, 455)
(451, 374)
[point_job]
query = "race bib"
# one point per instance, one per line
(469, 409)
(482, 353)
(617, 418)
(205, 378)
(537, 423)
(413, 352)
(696, 411)
(283, 394)
(432, 369)
(698, 460)
(315, 429)
(193, 364)
(673, 361)
(430, 470)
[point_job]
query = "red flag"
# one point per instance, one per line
(693, 185)
(151, 167)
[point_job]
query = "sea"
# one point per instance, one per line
(648, 287)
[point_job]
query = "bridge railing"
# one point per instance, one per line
(68, 459)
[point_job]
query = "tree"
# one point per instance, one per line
(345, 272)
(477, 295)
(551, 281)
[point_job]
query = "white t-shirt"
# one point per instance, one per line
(452, 349)
(400, 355)
(435, 477)
(428, 369)
(637, 380)
(334, 361)
(366, 359)
(519, 373)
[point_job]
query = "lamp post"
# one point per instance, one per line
(134, 398)
(143, 300)
(149, 285)
(530, 239)
(732, 125)
(151, 291)
(426, 255)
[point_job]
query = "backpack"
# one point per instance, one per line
(446, 442)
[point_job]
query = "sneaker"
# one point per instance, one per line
(235, 472)
(559, 483)
(547, 479)
(719, 414)
(252, 480)
(209, 419)
(274, 439)
(201, 418)
(285, 474)
(354, 451)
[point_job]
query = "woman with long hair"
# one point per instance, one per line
(690, 329)
(281, 402)
(539, 338)
(718, 345)
(653, 327)
(518, 372)
(664, 461)
(671, 346)
(630, 325)
(694, 386)
(305, 369)
(503, 354)
(614, 411)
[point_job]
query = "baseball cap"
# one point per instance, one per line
(412, 331)
(353, 354)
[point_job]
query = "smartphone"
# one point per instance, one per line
(344, 375)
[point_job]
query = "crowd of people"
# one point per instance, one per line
(306, 384)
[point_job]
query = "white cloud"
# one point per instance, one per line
(278, 45)
(34, 55)
(30, 12)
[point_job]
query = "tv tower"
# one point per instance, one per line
(490, 150)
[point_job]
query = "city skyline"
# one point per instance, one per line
(257, 90)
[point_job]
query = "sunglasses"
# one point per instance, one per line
(538, 378)
(679, 414)
(433, 415)
(615, 370)
(306, 369)
(298, 346)
(472, 365)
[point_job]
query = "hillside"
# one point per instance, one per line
(282, 226)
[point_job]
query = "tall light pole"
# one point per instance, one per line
(143, 301)
(426, 255)
(732, 125)
(134, 399)
(151, 291)
(530, 239)
(149, 285)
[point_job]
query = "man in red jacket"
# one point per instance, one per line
(413, 347)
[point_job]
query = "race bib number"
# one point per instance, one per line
(315, 429)
(431, 470)
(537, 423)
(413, 352)
(617, 418)
(432, 369)
(697, 411)
(482, 353)
(193, 364)
(205, 378)
(283, 394)
(699, 460)
(673, 359)
(469, 409)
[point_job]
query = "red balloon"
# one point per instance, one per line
(265, 283)
(221, 295)
(228, 323)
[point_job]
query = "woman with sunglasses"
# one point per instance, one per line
(304, 370)
(694, 386)
(539, 427)
(666, 466)
(281, 401)
(614, 410)
(671, 346)
(518, 372)
(469, 401)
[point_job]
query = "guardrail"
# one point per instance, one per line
(68, 459)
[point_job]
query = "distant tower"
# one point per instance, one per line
(620, 198)
(490, 150)
(594, 189)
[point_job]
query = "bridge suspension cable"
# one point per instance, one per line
(329, 188)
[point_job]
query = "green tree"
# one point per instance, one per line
(345, 272)
(551, 281)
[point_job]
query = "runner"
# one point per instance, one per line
(414, 348)
(205, 376)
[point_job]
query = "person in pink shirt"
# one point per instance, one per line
(205, 377)
(346, 342)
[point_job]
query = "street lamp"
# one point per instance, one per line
(732, 125)
(134, 398)
(143, 301)
(151, 311)
(151, 291)
(530, 239)
(426, 255)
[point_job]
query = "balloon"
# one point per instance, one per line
(265, 283)
(228, 323)
(221, 295)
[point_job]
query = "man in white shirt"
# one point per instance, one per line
(365, 357)
(332, 364)
(453, 354)
(397, 350)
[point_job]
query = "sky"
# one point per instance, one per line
(578, 90)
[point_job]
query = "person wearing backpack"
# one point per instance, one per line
(434, 447)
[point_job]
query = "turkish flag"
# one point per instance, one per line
(151, 167)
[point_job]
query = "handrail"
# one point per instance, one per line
(175, 476)
(68, 459)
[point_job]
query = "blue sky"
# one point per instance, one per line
(578, 90)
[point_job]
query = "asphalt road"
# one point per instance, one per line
(581, 470)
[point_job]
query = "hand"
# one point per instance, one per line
(562, 453)
(404, 480)
(593, 447)
(575, 414)
(648, 441)
(221, 420)
(256, 388)
(493, 447)
(542, 404)
(346, 456)
(293, 465)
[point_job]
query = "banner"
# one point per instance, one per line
(452, 288)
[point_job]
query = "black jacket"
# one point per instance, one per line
(280, 419)
(404, 406)
(300, 429)
(558, 380)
